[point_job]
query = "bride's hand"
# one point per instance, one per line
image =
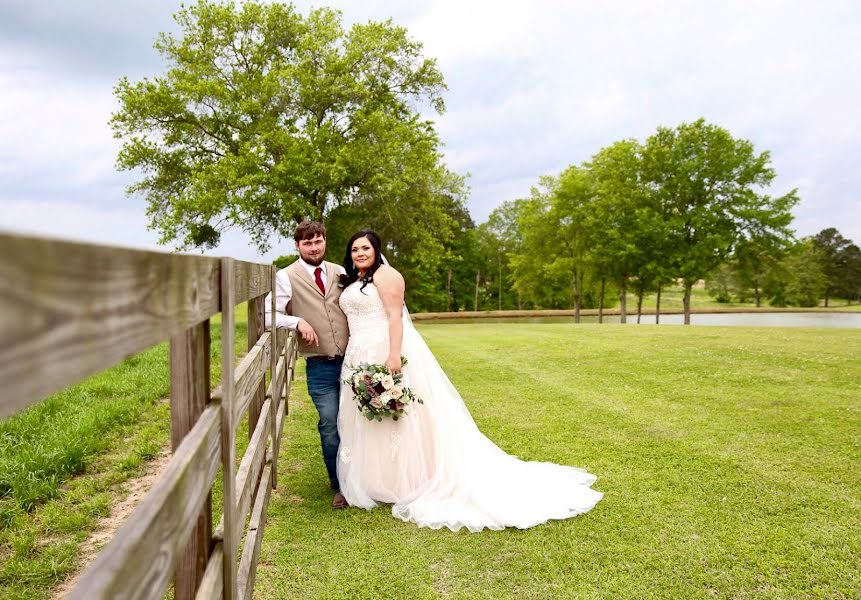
(394, 364)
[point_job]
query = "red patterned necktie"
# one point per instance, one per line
(317, 277)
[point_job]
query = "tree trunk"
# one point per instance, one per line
(758, 295)
(575, 285)
(448, 292)
(658, 307)
(826, 298)
(477, 279)
(639, 304)
(623, 297)
(687, 302)
(601, 301)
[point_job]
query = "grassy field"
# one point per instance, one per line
(728, 456)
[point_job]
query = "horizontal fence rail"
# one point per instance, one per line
(69, 310)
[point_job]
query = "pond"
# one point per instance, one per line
(760, 319)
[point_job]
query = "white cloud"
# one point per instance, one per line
(533, 87)
(125, 226)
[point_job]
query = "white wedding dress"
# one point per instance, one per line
(434, 466)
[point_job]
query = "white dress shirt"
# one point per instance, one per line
(284, 292)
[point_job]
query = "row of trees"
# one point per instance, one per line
(265, 117)
(824, 266)
(639, 216)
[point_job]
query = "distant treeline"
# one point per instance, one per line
(688, 204)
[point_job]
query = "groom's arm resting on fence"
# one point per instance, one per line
(283, 320)
(283, 294)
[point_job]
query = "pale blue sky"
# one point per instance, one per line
(534, 86)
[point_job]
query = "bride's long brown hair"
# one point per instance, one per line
(350, 268)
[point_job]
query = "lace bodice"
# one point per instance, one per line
(364, 308)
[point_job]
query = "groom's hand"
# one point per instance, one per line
(307, 332)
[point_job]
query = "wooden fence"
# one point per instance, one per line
(69, 310)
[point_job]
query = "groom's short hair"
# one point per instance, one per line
(308, 230)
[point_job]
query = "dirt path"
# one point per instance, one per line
(134, 490)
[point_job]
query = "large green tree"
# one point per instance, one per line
(551, 265)
(504, 226)
(835, 257)
(624, 227)
(265, 116)
(851, 283)
(708, 186)
(805, 281)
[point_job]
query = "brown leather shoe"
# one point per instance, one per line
(339, 501)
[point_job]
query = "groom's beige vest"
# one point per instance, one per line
(321, 312)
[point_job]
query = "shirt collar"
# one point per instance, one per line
(312, 268)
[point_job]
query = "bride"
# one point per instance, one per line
(433, 466)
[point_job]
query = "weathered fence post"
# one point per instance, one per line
(189, 394)
(274, 404)
(228, 447)
(256, 326)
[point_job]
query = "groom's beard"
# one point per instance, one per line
(314, 261)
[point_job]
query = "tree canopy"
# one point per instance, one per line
(708, 186)
(265, 117)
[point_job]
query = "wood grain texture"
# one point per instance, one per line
(279, 421)
(249, 375)
(189, 379)
(255, 331)
(228, 427)
(212, 584)
(250, 280)
(69, 310)
(292, 350)
(189, 395)
(274, 384)
(140, 560)
(252, 462)
(251, 551)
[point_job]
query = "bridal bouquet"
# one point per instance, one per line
(378, 393)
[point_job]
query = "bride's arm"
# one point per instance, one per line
(390, 285)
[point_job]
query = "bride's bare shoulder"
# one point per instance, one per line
(388, 276)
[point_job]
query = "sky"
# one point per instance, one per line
(533, 88)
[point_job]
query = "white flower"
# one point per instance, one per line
(376, 403)
(356, 380)
(377, 377)
(384, 398)
(388, 382)
(396, 392)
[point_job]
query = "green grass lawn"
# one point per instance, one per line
(729, 459)
(728, 456)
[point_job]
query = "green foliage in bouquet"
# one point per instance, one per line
(378, 393)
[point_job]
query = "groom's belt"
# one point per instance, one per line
(324, 357)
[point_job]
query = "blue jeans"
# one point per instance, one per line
(324, 387)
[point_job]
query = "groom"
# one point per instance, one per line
(306, 300)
